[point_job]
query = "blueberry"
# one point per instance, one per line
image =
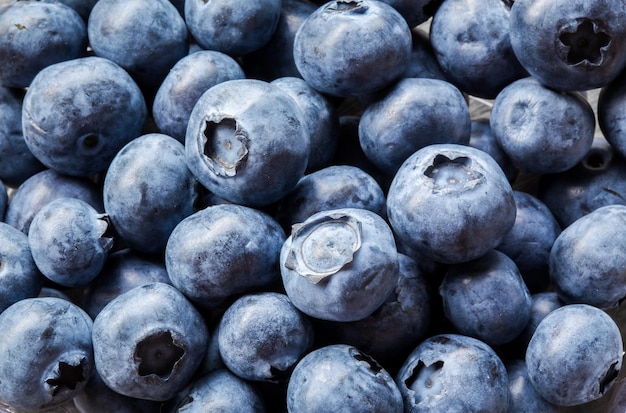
(569, 45)
(530, 240)
(483, 138)
(498, 319)
(223, 251)
(148, 342)
(525, 117)
(423, 62)
(340, 264)
(319, 118)
(34, 35)
(414, 113)
(586, 263)
(17, 163)
(275, 58)
(145, 37)
(523, 396)
(148, 190)
(471, 41)
(246, 142)
(190, 77)
(333, 187)
(453, 373)
(543, 303)
(415, 12)
(77, 114)
(575, 355)
(123, 270)
(341, 378)
(262, 336)
(44, 187)
(19, 276)
(234, 29)
(450, 203)
(51, 356)
(611, 105)
(220, 391)
(340, 33)
(70, 241)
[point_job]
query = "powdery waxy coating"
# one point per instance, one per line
(148, 190)
(48, 352)
(77, 114)
(70, 241)
(587, 264)
(223, 251)
(352, 47)
(412, 114)
(190, 77)
(262, 336)
(575, 355)
(570, 45)
(542, 130)
(340, 378)
(34, 35)
(340, 264)
(246, 142)
(232, 28)
(451, 203)
(453, 373)
(148, 342)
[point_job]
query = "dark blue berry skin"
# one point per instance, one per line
(275, 58)
(423, 62)
(529, 242)
(524, 118)
(4, 200)
(17, 163)
(145, 37)
(19, 276)
(51, 355)
(70, 241)
(597, 180)
(96, 397)
(190, 77)
(148, 190)
(342, 32)
(569, 45)
(543, 303)
(246, 142)
(499, 319)
(341, 378)
(414, 113)
(44, 187)
(586, 260)
(379, 335)
(123, 270)
(522, 394)
(223, 251)
(262, 336)
(34, 35)
(415, 12)
(77, 114)
(340, 264)
(472, 45)
(482, 138)
(234, 29)
(148, 342)
(453, 373)
(611, 119)
(220, 391)
(336, 186)
(575, 355)
(319, 117)
(431, 203)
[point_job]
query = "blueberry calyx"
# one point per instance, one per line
(323, 246)
(609, 377)
(342, 6)
(66, 376)
(452, 175)
(423, 380)
(90, 142)
(584, 43)
(226, 146)
(157, 354)
(106, 231)
(372, 364)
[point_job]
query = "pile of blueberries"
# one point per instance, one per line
(288, 206)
